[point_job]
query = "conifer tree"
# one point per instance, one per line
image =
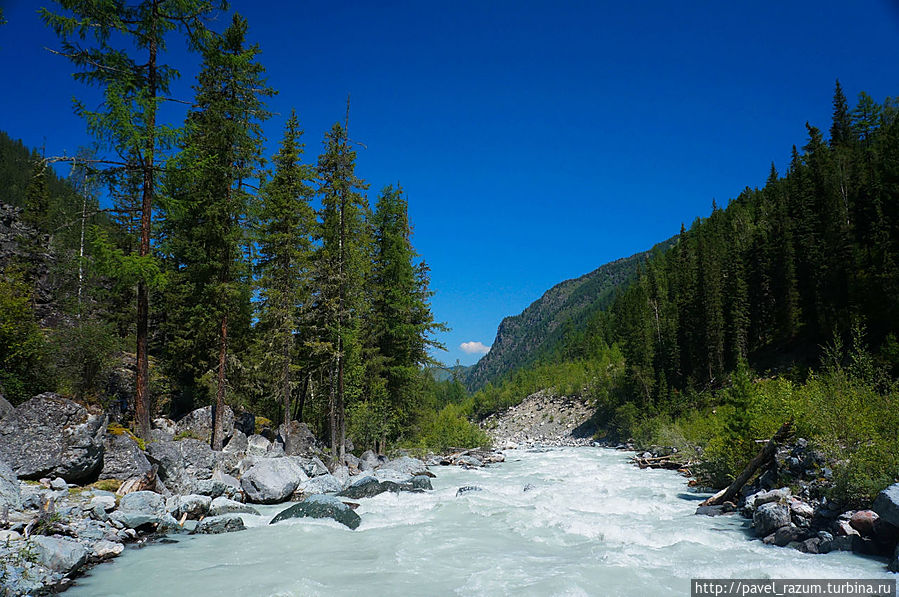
(285, 227)
(207, 212)
(341, 265)
(129, 40)
(37, 198)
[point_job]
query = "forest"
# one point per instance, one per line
(209, 273)
(780, 305)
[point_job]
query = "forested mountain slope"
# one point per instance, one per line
(522, 339)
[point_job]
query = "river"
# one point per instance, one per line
(592, 524)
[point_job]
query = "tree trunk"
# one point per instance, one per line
(285, 385)
(218, 440)
(764, 455)
(301, 402)
(142, 398)
(333, 412)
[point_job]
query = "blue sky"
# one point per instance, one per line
(536, 140)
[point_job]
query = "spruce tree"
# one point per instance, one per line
(207, 213)
(341, 264)
(285, 227)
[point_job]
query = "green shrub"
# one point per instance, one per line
(23, 348)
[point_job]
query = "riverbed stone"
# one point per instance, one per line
(769, 517)
(864, 522)
(104, 550)
(893, 566)
(197, 424)
(788, 534)
(50, 436)
(363, 487)
(194, 506)
(62, 555)
(297, 439)
(387, 474)
(272, 480)
(467, 489)
(183, 463)
(222, 505)
(321, 506)
(422, 482)
(225, 523)
(257, 445)
(408, 465)
(321, 484)
(887, 504)
(123, 458)
(10, 493)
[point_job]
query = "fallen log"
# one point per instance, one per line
(764, 456)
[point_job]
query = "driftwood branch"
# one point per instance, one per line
(764, 456)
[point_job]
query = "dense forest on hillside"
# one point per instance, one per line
(797, 280)
(177, 267)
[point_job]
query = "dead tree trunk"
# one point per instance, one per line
(764, 456)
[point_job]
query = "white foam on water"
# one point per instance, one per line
(591, 524)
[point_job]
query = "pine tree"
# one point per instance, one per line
(286, 224)
(207, 213)
(841, 128)
(341, 264)
(134, 82)
(37, 198)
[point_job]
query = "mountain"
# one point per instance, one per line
(521, 339)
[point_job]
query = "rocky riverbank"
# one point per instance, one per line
(76, 490)
(542, 419)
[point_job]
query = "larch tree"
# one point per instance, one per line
(118, 47)
(285, 226)
(209, 202)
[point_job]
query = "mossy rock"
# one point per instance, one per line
(118, 429)
(106, 485)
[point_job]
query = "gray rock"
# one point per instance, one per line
(5, 407)
(887, 504)
(342, 474)
(893, 566)
(223, 505)
(769, 517)
(183, 463)
(786, 535)
(143, 501)
(198, 424)
(468, 461)
(408, 465)
(195, 506)
(467, 489)
(320, 484)
(52, 436)
(257, 446)
(245, 423)
(104, 550)
(237, 444)
(710, 511)
(297, 439)
(421, 482)
(58, 484)
(123, 458)
(386, 474)
(62, 555)
(271, 481)
(321, 506)
(756, 500)
(351, 460)
(10, 493)
(210, 487)
(363, 488)
(225, 523)
(369, 461)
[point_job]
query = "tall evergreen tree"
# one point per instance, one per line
(206, 216)
(125, 63)
(285, 226)
(341, 265)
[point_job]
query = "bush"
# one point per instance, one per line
(23, 348)
(448, 428)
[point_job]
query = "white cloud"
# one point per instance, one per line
(474, 348)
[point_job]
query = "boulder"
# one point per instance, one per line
(468, 461)
(386, 474)
(271, 481)
(321, 506)
(893, 566)
(864, 522)
(52, 436)
(10, 493)
(421, 482)
(351, 460)
(320, 484)
(59, 484)
(198, 424)
(62, 555)
(467, 489)
(182, 463)
(211, 488)
(225, 523)
(786, 535)
(223, 505)
(769, 517)
(5, 407)
(257, 446)
(802, 509)
(107, 502)
(887, 504)
(407, 465)
(237, 444)
(245, 423)
(756, 500)
(123, 458)
(104, 550)
(369, 461)
(141, 508)
(342, 474)
(363, 488)
(194, 506)
(297, 439)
